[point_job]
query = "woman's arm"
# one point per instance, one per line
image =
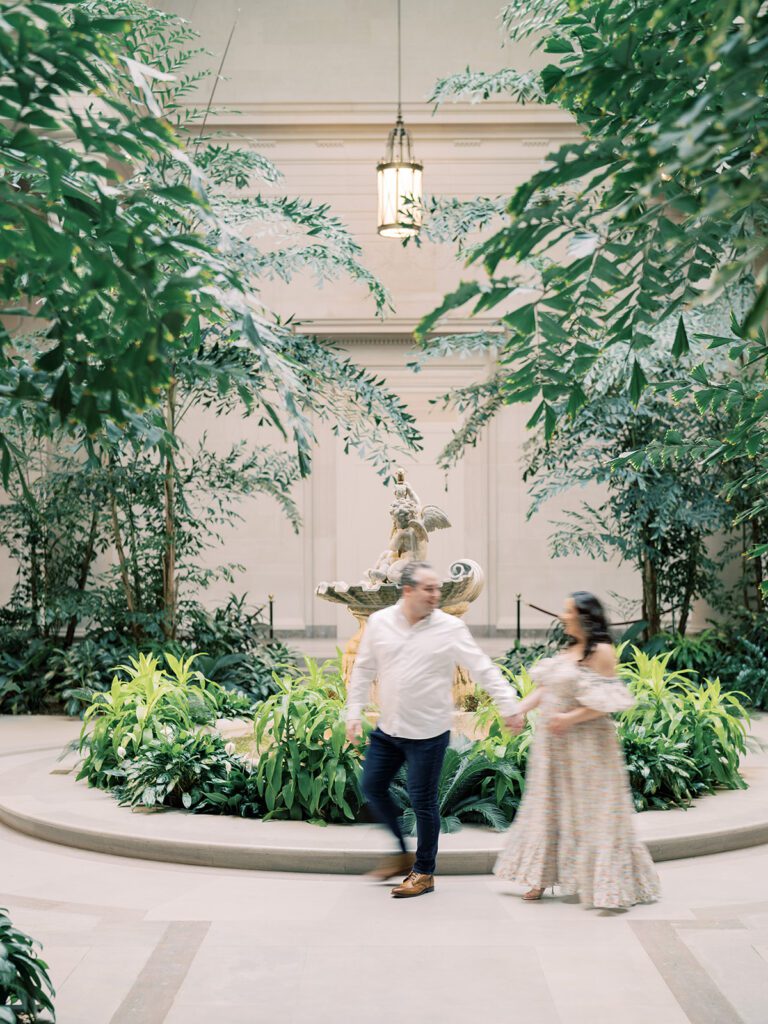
(560, 724)
(530, 702)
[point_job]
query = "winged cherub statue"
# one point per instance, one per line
(412, 523)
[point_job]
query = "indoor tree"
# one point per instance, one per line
(147, 493)
(662, 520)
(657, 209)
(295, 377)
(114, 250)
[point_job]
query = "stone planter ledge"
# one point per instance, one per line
(40, 797)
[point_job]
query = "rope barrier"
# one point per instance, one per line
(555, 615)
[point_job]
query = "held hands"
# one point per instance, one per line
(354, 730)
(515, 723)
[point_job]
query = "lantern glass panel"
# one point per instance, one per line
(400, 192)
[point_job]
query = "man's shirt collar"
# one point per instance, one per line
(404, 621)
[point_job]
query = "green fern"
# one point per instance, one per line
(472, 787)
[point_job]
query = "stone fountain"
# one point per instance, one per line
(412, 522)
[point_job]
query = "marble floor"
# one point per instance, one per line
(134, 942)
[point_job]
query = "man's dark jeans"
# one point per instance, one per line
(424, 761)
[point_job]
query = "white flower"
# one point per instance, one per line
(121, 752)
(228, 767)
(230, 748)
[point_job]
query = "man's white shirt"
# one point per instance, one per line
(415, 666)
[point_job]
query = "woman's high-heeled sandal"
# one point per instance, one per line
(534, 894)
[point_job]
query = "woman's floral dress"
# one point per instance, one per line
(575, 825)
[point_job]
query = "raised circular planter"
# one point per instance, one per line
(41, 798)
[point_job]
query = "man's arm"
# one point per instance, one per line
(485, 673)
(363, 675)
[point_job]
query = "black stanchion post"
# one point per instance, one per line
(517, 625)
(271, 616)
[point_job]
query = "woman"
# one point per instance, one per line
(574, 826)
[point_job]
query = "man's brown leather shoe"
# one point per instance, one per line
(399, 864)
(415, 885)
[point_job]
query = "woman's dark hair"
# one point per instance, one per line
(593, 621)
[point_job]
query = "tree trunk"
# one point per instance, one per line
(118, 540)
(757, 566)
(758, 267)
(47, 628)
(85, 568)
(685, 607)
(651, 612)
(34, 577)
(133, 544)
(170, 609)
(744, 567)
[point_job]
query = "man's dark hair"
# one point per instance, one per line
(410, 572)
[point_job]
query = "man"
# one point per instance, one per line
(413, 649)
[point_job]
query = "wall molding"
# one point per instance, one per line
(498, 113)
(395, 330)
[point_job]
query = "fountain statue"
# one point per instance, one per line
(412, 523)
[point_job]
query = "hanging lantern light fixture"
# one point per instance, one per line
(399, 172)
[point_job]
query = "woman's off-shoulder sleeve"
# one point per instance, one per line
(602, 693)
(538, 671)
